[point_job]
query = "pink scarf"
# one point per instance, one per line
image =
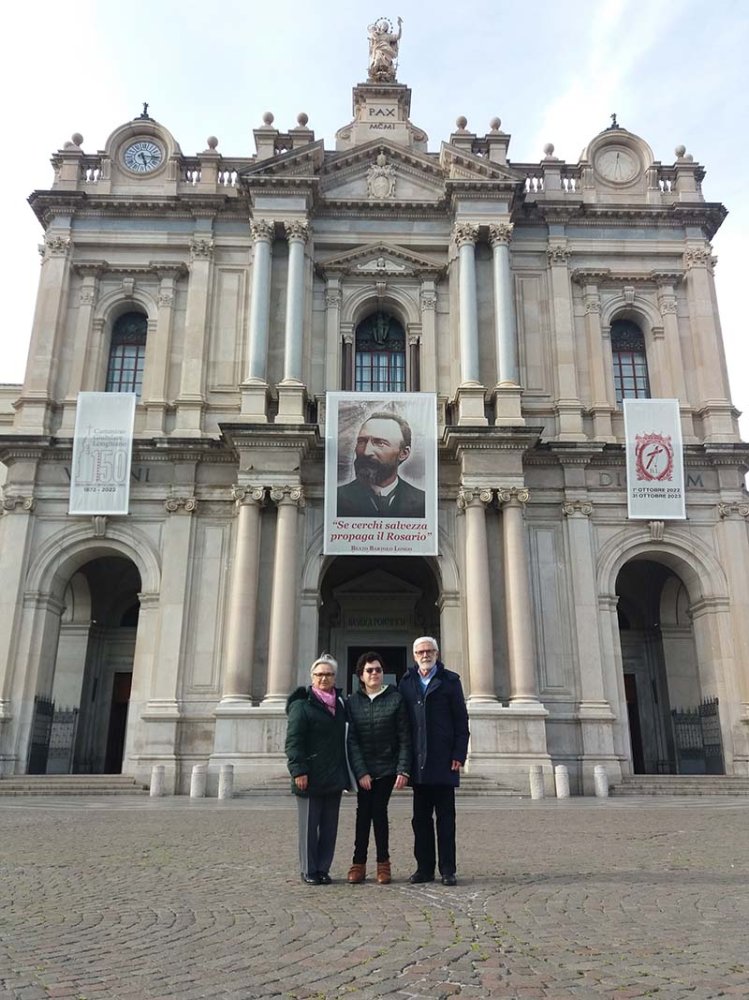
(328, 698)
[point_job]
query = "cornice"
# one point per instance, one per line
(708, 215)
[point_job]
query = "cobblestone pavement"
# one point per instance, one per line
(133, 899)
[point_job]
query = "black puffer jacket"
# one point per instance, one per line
(379, 736)
(315, 743)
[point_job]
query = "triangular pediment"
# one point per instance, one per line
(461, 165)
(382, 260)
(302, 162)
(382, 173)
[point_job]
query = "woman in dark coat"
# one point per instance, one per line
(316, 755)
(379, 747)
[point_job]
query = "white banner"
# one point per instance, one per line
(381, 473)
(655, 459)
(102, 453)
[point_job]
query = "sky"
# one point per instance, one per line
(674, 72)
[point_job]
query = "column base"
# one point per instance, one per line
(507, 405)
(254, 395)
(506, 741)
(470, 399)
(292, 402)
(570, 421)
(252, 738)
(189, 419)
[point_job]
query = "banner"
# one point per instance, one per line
(655, 459)
(381, 474)
(102, 453)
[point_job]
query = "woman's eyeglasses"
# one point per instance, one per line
(324, 675)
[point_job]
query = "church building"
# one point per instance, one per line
(232, 295)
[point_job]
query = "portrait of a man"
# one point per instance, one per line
(383, 444)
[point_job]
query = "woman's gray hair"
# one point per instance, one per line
(328, 660)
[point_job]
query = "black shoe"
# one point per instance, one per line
(418, 877)
(323, 878)
(312, 879)
(449, 880)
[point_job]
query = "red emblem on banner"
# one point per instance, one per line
(654, 457)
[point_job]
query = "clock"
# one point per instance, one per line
(617, 164)
(143, 156)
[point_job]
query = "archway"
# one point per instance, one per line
(377, 603)
(659, 660)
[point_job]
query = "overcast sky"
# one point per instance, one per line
(674, 71)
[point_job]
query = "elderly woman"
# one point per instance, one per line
(316, 753)
(379, 747)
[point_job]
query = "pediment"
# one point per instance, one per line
(383, 260)
(461, 165)
(382, 173)
(302, 162)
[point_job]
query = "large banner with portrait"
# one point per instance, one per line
(102, 453)
(381, 474)
(655, 459)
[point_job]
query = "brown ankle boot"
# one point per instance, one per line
(383, 873)
(356, 874)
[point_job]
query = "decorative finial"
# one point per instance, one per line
(549, 150)
(495, 124)
(212, 142)
(268, 119)
(144, 113)
(680, 151)
(461, 121)
(302, 119)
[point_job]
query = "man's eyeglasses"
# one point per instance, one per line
(425, 652)
(373, 670)
(324, 675)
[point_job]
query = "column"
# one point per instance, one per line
(297, 234)
(49, 316)
(672, 366)
(466, 234)
(731, 534)
(333, 359)
(473, 503)
(158, 350)
(254, 388)
(281, 659)
(191, 399)
(87, 295)
(500, 235)
(240, 629)
(427, 347)
(570, 426)
(523, 686)
(600, 369)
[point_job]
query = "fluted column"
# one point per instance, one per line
(262, 235)
(523, 687)
(500, 235)
(473, 503)
(466, 234)
(240, 628)
(297, 234)
(281, 660)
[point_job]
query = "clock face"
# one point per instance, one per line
(143, 156)
(617, 165)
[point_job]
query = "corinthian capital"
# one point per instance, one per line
(56, 246)
(297, 230)
(700, 257)
(513, 495)
(465, 232)
(262, 229)
(558, 254)
(500, 233)
(201, 249)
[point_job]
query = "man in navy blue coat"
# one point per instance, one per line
(439, 729)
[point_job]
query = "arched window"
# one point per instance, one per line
(380, 354)
(630, 361)
(127, 354)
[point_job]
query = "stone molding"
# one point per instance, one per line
(99, 525)
(657, 530)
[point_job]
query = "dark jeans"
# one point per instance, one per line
(429, 801)
(318, 827)
(372, 810)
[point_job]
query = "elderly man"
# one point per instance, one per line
(439, 728)
(382, 445)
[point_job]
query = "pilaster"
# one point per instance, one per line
(568, 408)
(191, 398)
(254, 390)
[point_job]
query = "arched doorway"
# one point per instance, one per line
(377, 603)
(659, 658)
(93, 665)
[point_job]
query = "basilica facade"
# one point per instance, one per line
(232, 294)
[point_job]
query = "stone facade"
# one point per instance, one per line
(178, 630)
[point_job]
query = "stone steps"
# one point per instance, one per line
(71, 784)
(680, 784)
(469, 785)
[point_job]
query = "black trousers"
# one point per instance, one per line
(318, 828)
(372, 811)
(432, 801)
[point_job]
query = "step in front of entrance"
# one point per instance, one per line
(71, 784)
(680, 784)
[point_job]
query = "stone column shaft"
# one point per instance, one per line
(260, 301)
(504, 306)
(240, 629)
(568, 402)
(477, 595)
(466, 236)
(88, 295)
(193, 356)
(281, 659)
(293, 342)
(518, 597)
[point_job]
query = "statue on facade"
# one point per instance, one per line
(383, 50)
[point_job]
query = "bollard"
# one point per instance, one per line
(226, 781)
(157, 780)
(562, 781)
(198, 780)
(537, 781)
(601, 781)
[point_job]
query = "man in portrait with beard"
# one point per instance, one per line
(382, 445)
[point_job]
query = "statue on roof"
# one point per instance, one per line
(383, 50)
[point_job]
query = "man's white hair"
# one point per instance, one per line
(426, 638)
